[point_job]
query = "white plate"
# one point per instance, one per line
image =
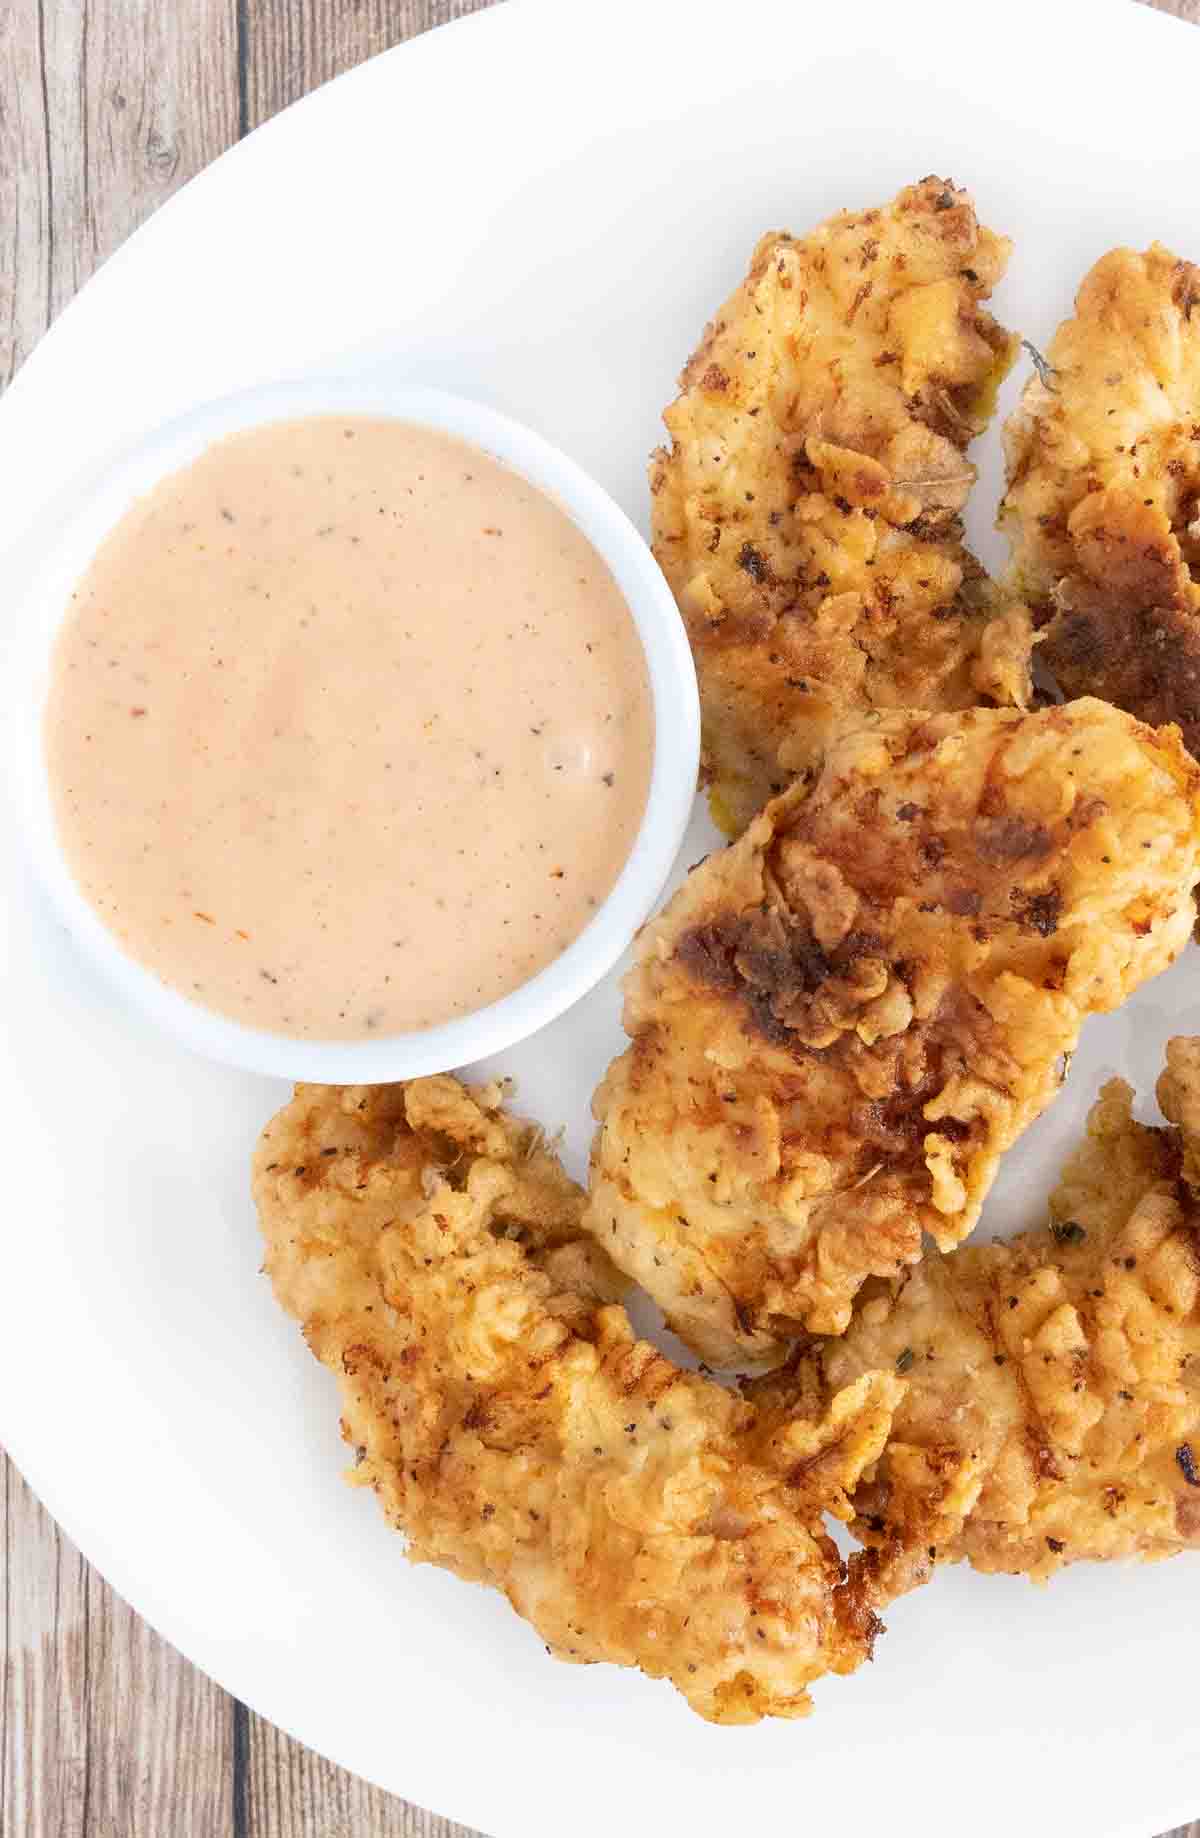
(539, 207)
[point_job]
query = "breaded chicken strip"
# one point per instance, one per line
(842, 1021)
(1103, 501)
(518, 1433)
(806, 514)
(1053, 1410)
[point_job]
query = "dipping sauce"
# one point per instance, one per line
(349, 729)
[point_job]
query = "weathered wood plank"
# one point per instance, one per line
(105, 1731)
(43, 1718)
(292, 1793)
(106, 107)
(292, 45)
(24, 187)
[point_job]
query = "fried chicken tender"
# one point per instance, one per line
(517, 1432)
(841, 1021)
(806, 514)
(1053, 1409)
(1103, 500)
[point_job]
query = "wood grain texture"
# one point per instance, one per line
(105, 1732)
(293, 1793)
(24, 187)
(106, 107)
(292, 45)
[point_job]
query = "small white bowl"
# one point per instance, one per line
(87, 518)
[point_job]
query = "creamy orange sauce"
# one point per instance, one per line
(349, 729)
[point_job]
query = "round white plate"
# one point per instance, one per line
(539, 207)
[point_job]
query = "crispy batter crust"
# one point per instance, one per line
(841, 1022)
(806, 513)
(1053, 1410)
(513, 1427)
(1103, 500)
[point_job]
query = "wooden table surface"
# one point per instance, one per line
(106, 107)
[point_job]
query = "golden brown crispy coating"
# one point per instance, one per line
(518, 1433)
(1053, 1410)
(806, 513)
(1103, 501)
(841, 1022)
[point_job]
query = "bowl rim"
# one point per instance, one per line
(85, 515)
